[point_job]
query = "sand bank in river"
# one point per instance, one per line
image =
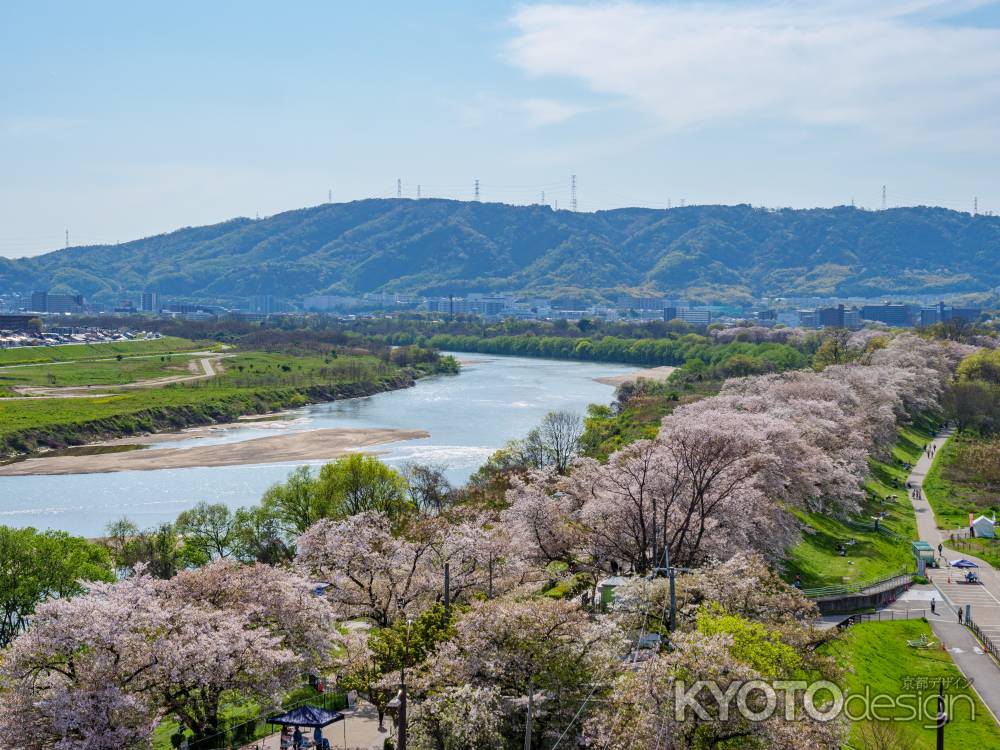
(651, 373)
(296, 446)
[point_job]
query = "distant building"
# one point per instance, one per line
(941, 313)
(326, 302)
(13, 322)
(688, 315)
(896, 315)
(149, 302)
(830, 317)
(641, 303)
(46, 302)
(39, 302)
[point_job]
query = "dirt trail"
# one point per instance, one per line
(207, 367)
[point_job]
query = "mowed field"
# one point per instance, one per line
(97, 371)
(80, 352)
(241, 383)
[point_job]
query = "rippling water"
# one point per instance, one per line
(493, 400)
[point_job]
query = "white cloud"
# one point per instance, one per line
(894, 68)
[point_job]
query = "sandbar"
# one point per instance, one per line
(308, 445)
(650, 373)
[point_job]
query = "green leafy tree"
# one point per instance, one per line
(37, 566)
(208, 531)
(357, 483)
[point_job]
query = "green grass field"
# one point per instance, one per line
(97, 372)
(816, 559)
(252, 383)
(77, 352)
(876, 657)
(951, 498)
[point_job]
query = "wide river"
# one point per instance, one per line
(494, 399)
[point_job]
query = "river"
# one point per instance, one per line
(494, 399)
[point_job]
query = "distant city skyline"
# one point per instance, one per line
(121, 121)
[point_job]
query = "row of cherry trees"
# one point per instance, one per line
(721, 472)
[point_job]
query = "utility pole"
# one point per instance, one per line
(447, 591)
(942, 717)
(527, 720)
(402, 688)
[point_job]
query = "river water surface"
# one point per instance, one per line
(493, 400)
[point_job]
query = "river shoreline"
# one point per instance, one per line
(311, 445)
(659, 374)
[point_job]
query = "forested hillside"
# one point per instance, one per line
(436, 246)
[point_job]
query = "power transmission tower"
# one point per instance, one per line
(975, 205)
(477, 190)
(67, 238)
(543, 197)
(557, 204)
(418, 192)
(329, 196)
(399, 187)
(883, 197)
(572, 193)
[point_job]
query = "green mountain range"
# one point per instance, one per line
(430, 246)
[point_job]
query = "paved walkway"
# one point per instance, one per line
(950, 583)
(359, 731)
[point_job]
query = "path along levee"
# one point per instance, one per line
(984, 598)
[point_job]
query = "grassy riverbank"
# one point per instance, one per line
(963, 479)
(110, 350)
(874, 553)
(878, 662)
(251, 383)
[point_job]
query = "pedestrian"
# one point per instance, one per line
(297, 736)
(933, 605)
(940, 549)
(959, 615)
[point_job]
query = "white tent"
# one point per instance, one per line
(983, 527)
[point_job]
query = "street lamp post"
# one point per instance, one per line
(402, 687)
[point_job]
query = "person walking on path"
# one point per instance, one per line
(933, 605)
(959, 615)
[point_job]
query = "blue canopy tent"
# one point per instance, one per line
(963, 563)
(307, 716)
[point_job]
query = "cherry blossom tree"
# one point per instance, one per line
(369, 572)
(645, 712)
(457, 718)
(550, 649)
(99, 670)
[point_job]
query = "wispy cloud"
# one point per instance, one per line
(549, 111)
(897, 68)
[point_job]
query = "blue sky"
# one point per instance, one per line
(122, 119)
